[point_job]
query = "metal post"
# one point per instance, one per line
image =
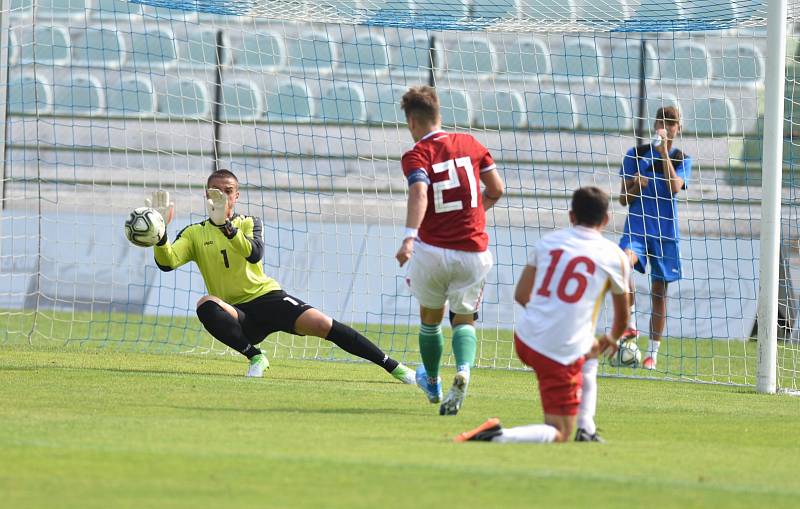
(217, 101)
(771, 182)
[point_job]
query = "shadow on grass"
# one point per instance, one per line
(293, 410)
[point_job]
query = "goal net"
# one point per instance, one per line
(109, 100)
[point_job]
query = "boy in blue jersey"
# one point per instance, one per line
(652, 176)
(244, 305)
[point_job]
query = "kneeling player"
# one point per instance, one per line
(244, 305)
(561, 288)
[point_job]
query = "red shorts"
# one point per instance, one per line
(559, 385)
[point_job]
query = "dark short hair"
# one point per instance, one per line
(222, 174)
(590, 205)
(422, 103)
(668, 114)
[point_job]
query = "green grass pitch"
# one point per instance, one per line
(89, 429)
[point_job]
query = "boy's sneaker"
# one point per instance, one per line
(432, 390)
(455, 396)
(257, 366)
(629, 335)
(649, 363)
(583, 436)
(483, 433)
(404, 374)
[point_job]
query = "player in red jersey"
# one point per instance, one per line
(446, 234)
(562, 288)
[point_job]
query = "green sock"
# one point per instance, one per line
(431, 346)
(465, 342)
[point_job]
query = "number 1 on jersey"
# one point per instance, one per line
(225, 258)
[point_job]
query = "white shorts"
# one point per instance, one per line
(437, 275)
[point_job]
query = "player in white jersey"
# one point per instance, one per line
(562, 288)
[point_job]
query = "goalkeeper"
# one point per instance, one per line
(243, 305)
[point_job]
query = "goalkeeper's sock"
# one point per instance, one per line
(537, 433)
(588, 405)
(652, 349)
(349, 340)
(225, 328)
(465, 342)
(431, 346)
(632, 317)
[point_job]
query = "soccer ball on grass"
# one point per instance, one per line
(628, 355)
(145, 227)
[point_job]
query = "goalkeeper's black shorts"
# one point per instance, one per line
(272, 312)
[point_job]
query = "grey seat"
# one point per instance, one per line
(366, 52)
(688, 61)
(311, 52)
(501, 110)
(133, 96)
(289, 101)
(82, 95)
(526, 57)
(711, 116)
(471, 55)
(577, 58)
(604, 112)
(456, 108)
(343, 102)
(241, 100)
(52, 45)
(262, 50)
(551, 110)
(199, 49)
(98, 47)
(27, 94)
(184, 98)
(152, 47)
(739, 63)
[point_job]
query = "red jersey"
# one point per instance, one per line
(451, 165)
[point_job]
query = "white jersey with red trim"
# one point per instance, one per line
(575, 267)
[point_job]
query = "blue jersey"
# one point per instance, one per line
(655, 212)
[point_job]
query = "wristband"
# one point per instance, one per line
(411, 233)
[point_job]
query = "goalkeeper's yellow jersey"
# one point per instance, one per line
(231, 267)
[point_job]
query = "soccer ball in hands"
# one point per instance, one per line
(628, 355)
(145, 227)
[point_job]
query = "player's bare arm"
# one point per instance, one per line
(415, 211)
(632, 189)
(667, 132)
(522, 294)
(493, 188)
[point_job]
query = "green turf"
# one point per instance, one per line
(90, 429)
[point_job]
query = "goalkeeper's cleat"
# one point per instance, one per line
(649, 363)
(483, 433)
(258, 363)
(630, 334)
(404, 374)
(432, 389)
(455, 396)
(583, 436)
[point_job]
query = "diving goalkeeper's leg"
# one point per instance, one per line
(315, 323)
(222, 321)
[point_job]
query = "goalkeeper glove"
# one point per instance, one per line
(215, 206)
(159, 201)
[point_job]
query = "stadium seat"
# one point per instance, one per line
(185, 98)
(311, 52)
(13, 48)
(20, 8)
(262, 50)
(578, 58)
(343, 102)
(81, 95)
(688, 62)
(289, 100)
(199, 49)
(241, 100)
(27, 94)
(625, 59)
(52, 45)
(152, 47)
(739, 63)
(388, 108)
(501, 109)
(367, 52)
(75, 9)
(115, 9)
(98, 47)
(547, 110)
(471, 56)
(131, 96)
(411, 57)
(456, 108)
(525, 57)
(561, 10)
(492, 9)
(714, 116)
(603, 112)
